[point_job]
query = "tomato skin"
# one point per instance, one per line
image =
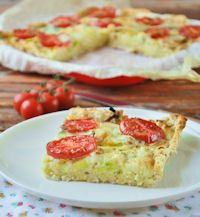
(31, 108)
(190, 31)
(23, 33)
(53, 83)
(150, 21)
(141, 129)
(104, 12)
(79, 125)
(104, 23)
(37, 90)
(19, 99)
(65, 98)
(71, 147)
(158, 32)
(34, 93)
(64, 21)
(49, 103)
(52, 40)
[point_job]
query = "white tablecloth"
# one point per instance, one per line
(16, 203)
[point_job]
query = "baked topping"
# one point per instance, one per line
(140, 129)
(150, 21)
(64, 21)
(79, 125)
(71, 147)
(24, 33)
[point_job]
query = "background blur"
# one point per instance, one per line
(191, 8)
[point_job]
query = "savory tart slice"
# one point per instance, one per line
(147, 17)
(156, 41)
(104, 146)
(55, 43)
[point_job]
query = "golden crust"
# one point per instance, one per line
(85, 12)
(102, 115)
(134, 11)
(176, 123)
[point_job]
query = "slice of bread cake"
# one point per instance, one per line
(105, 146)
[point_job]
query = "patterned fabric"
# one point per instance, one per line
(16, 203)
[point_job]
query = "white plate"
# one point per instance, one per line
(22, 147)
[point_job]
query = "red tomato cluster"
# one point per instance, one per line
(45, 98)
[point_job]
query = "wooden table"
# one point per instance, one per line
(174, 96)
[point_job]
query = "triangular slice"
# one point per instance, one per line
(102, 151)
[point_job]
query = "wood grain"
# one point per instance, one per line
(175, 96)
(188, 7)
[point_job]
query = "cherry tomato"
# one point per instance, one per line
(71, 147)
(190, 31)
(79, 125)
(65, 21)
(23, 33)
(37, 90)
(65, 97)
(140, 129)
(31, 108)
(19, 99)
(52, 40)
(158, 32)
(54, 83)
(49, 103)
(150, 21)
(103, 12)
(103, 23)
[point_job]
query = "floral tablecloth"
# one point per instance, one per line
(16, 203)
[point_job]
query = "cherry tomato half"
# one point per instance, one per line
(103, 12)
(24, 33)
(52, 40)
(140, 129)
(150, 21)
(158, 32)
(71, 147)
(190, 31)
(79, 125)
(31, 108)
(104, 23)
(65, 21)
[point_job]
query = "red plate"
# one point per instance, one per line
(116, 81)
